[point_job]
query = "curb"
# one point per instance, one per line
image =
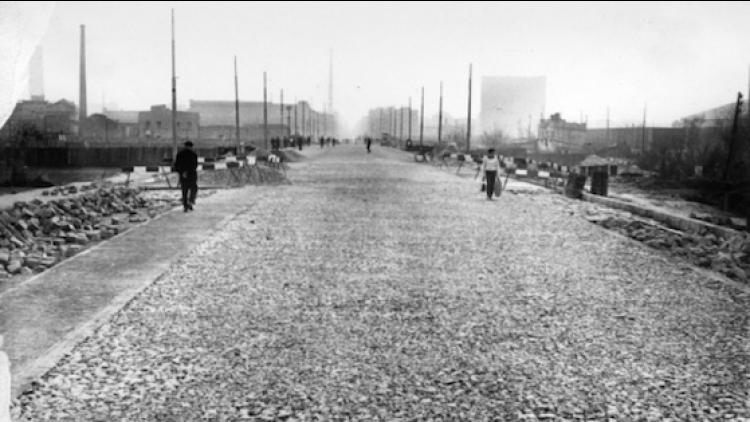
(714, 276)
(673, 221)
(32, 371)
(676, 222)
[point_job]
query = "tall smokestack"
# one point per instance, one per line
(330, 84)
(82, 111)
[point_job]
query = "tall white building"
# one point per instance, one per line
(512, 104)
(36, 76)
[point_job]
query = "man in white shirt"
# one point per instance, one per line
(490, 167)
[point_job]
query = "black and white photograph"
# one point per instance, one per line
(393, 211)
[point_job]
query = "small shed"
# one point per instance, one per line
(594, 163)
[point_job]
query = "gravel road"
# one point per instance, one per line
(374, 288)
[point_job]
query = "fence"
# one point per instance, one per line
(97, 156)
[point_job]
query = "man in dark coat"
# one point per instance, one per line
(186, 165)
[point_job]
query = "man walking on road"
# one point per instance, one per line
(368, 141)
(490, 167)
(186, 165)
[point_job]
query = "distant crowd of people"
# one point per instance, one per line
(290, 142)
(300, 141)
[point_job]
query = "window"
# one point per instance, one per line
(178, 125)
(158, 125)
(190, 125)
(148, 124)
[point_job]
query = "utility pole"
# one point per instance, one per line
(410, 119)
(174, 94)
(529, 126)
(391, 121)
(265, 112)
(282, 111)
(401, 122)
(237, 103)
(468, 121)
(82, 107)
(732, 144)
(440, 116)
(643, 136)
(289, 119)
(421, 120)
(607, 125)
(325, 122)
(296, 130)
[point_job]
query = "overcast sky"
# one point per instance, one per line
(680, 58)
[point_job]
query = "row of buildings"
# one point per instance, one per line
(39, 122)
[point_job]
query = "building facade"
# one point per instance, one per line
(156, 124)
(299, 118)
(558, 135)
(40, 121)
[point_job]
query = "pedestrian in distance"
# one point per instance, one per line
(490, 168)
(186, 165)
(368, 142)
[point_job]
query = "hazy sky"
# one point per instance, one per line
(680, 58)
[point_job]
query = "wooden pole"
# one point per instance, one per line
(410, 119)
(265, 112)
(401, 123)
(608, 126)
(174, 94)
(282, 111)
(237, 104)
(440, 116)
(732, 144)
(643, 135)
(468, 120)
(421, 120)
(83, 100)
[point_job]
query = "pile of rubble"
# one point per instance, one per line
(728, 256)
(37, 235)
(252, 175)
(69, 190)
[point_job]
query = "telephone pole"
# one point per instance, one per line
(410, 119)
(174, 95)
(82, 108)
(265, 112)
(237, 104)
(440, 116)
(643, 135)
(732, 144)
(401, 123)
(607, 125)
(282, 111)
(421, 120)
(468, 120)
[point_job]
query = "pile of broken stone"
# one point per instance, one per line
(729, 256)
(36, 235)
